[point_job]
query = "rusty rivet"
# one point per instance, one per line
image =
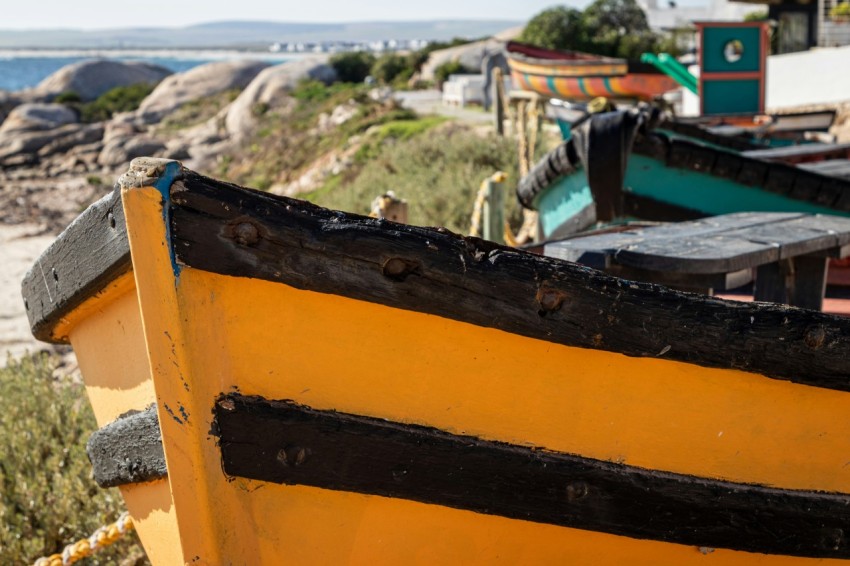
(399, 473)
(832, 539)
(246, 234)
(576, 491)
(549, 299)
(292, 456)
(282, 457)
(227, 404)
(398, 269)
(814, 337)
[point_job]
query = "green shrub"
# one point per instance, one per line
(48, 497)
(755, 16)
(118, 99)
(389, 66)
(309, 90)
(352, 66)
(196, 111)
(67, 97)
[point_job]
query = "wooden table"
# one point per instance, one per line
(787, 252)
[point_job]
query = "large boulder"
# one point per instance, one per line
(470, 55)
(118, 152)
(90, 79)
(200, 82)
(35, 116)
(269, 91)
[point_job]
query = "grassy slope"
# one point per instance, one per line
(436, 165)
(48, 497)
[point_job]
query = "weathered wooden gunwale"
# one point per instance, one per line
(287, 443)
(776, 177)
(601, 146)
(234, 231)
(88, 255)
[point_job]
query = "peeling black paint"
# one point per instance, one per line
(286, 443)
(128, 450)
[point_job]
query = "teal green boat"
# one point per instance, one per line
(633, 165)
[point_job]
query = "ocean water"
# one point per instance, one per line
(20, 70)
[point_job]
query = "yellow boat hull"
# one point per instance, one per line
(196, 341)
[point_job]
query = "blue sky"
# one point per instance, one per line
(96, 14)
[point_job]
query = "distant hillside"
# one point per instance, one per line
(249, 34)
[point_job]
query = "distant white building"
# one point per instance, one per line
(805, 24)
(669, 14)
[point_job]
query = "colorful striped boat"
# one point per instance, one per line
(573, 75)
(277, 382)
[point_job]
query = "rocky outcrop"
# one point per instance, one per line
(119, 151)
(470, 55)
(269, 92)
(17, 148)
(72, 139)
(194, 84)
(33, 117)
(90, 79)
(339, 116)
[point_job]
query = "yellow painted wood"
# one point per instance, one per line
(92, 306)
(207, 334)
(154, 519)
(565, 69)
(330, 352)
(107, 336)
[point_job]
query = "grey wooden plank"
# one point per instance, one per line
(686, 281)
(839, 168)
(805, 150)
(710, 254)
(791, 239)
(608, 244)
(714, 245)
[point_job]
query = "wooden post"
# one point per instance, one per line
(809, 282)
(522, 137)
(499, 102)
(772, 282)
(389, 207)
(493, 225)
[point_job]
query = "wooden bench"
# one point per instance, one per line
(787, 253)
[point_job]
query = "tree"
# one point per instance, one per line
(615, 28)
(556, 28)
(618, 28)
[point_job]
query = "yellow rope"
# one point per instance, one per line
(102, 537)
(478, 207)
